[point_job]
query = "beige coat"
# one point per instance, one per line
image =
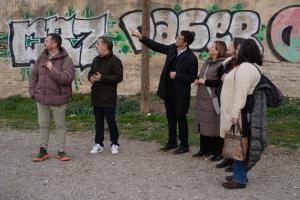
(237, 85)
(206, 121)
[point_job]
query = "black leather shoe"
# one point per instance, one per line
(181, 150)
(216, 158)
(200, 154)
(225, 162)
(168, 147)
(229, 169)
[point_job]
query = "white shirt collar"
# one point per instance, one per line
(181, 51)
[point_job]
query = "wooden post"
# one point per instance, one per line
(145, 61)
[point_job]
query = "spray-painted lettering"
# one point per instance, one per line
(221, 25)
(26, 37)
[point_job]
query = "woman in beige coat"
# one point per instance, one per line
(206, 119)
(238, 84)
(228, 65)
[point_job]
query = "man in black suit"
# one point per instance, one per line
(179, 71)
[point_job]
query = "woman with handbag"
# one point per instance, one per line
(228, 65)
(206, 119)
(238, 85)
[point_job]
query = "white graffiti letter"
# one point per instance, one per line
(218, 24)
(192, 20)
(26, 40)
(63, 26)
(245, 24)
(132, 21)
(87, 32)
(166, 25)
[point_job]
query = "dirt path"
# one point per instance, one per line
(139, 172)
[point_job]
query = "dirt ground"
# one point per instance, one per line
(138, 172)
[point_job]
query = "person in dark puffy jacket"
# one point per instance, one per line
(50, 87)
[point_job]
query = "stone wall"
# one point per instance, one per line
(275, 25)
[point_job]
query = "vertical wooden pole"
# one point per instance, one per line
(145, 61)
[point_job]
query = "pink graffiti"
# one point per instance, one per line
(286, 18)
(284, 34)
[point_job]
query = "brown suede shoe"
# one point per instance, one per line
(229, 178)
(233, 185)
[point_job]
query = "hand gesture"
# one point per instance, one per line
(196, 82)
(234, 120)
(172, 75)
(201, 81)
(135, 33)
(227, 60)
(97, 76)
(49, 65)
(92, 79)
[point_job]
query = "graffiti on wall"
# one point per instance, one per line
(3, 45)
(24, 42)
(284, 34)
(118, 37)
(79, 35)
(222, 25)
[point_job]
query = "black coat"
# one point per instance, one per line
(104, 92)
(186, 72)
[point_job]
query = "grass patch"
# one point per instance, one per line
(20, 113)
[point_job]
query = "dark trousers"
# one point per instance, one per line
(174, 119)
(211, 145)
(109, 114)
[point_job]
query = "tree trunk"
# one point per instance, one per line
(145, 61)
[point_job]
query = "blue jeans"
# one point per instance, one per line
(239, 172)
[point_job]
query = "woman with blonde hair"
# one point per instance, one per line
(206, 108)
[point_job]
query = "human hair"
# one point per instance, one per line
(221, 48)
(188, 36)
(237, 41)
(107, 41)
(249, 52)
(56, 38)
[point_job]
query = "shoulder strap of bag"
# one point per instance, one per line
(62, 64)
(256, 68)
(214, 99)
